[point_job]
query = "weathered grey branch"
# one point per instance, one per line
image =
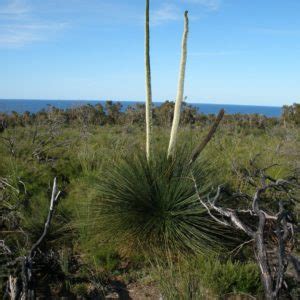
(239, 247)
(25, 262)
(54, 198)
(12, 288)
(264, 188)
(210, 205)
(272, 285)
(207, 206)
(282, 262)
(229, 213)
(261, 257)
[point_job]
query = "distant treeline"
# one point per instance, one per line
(111, 113)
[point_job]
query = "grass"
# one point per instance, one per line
(206, 277)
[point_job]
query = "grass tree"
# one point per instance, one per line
(180, 91)
(151, 207)
(149, 203)
(148, 84)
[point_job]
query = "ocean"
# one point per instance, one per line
(33, 106)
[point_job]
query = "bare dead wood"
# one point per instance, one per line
(197, 151)
(12, 289)
(26, 262)
(54, 198)
(239, 247)
(284, 230)
(261, 257)
(282, 234)
(211, 205)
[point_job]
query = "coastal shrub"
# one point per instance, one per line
(80, 174)
(206, 277)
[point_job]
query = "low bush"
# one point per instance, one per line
(205, 277)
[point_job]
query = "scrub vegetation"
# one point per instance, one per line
(93, 206)
(122, 225)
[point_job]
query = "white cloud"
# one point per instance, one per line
(16, 39)
(167, 12)
(209, 4)
(19, 26)
(14, 8)
(170, 11)
(19, 35)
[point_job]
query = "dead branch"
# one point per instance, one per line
(239, 247)
(273, 284)
(54, 198)
(26, 262)
(209, 136)
(211, 205)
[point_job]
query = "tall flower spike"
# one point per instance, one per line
(148, 85)
(180, 91)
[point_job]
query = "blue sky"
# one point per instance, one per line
(240, 51)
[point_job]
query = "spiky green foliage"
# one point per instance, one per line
(153, 206)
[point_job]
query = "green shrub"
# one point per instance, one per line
(205, 277)
(131, 202)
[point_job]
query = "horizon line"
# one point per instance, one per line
(140, 101)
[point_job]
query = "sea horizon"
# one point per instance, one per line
(135, 101)
(36, 105)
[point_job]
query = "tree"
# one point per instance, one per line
(164, 113)
(113, 111)
(291, 114)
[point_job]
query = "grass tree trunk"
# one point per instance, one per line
(148, 84)
(180, 91)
